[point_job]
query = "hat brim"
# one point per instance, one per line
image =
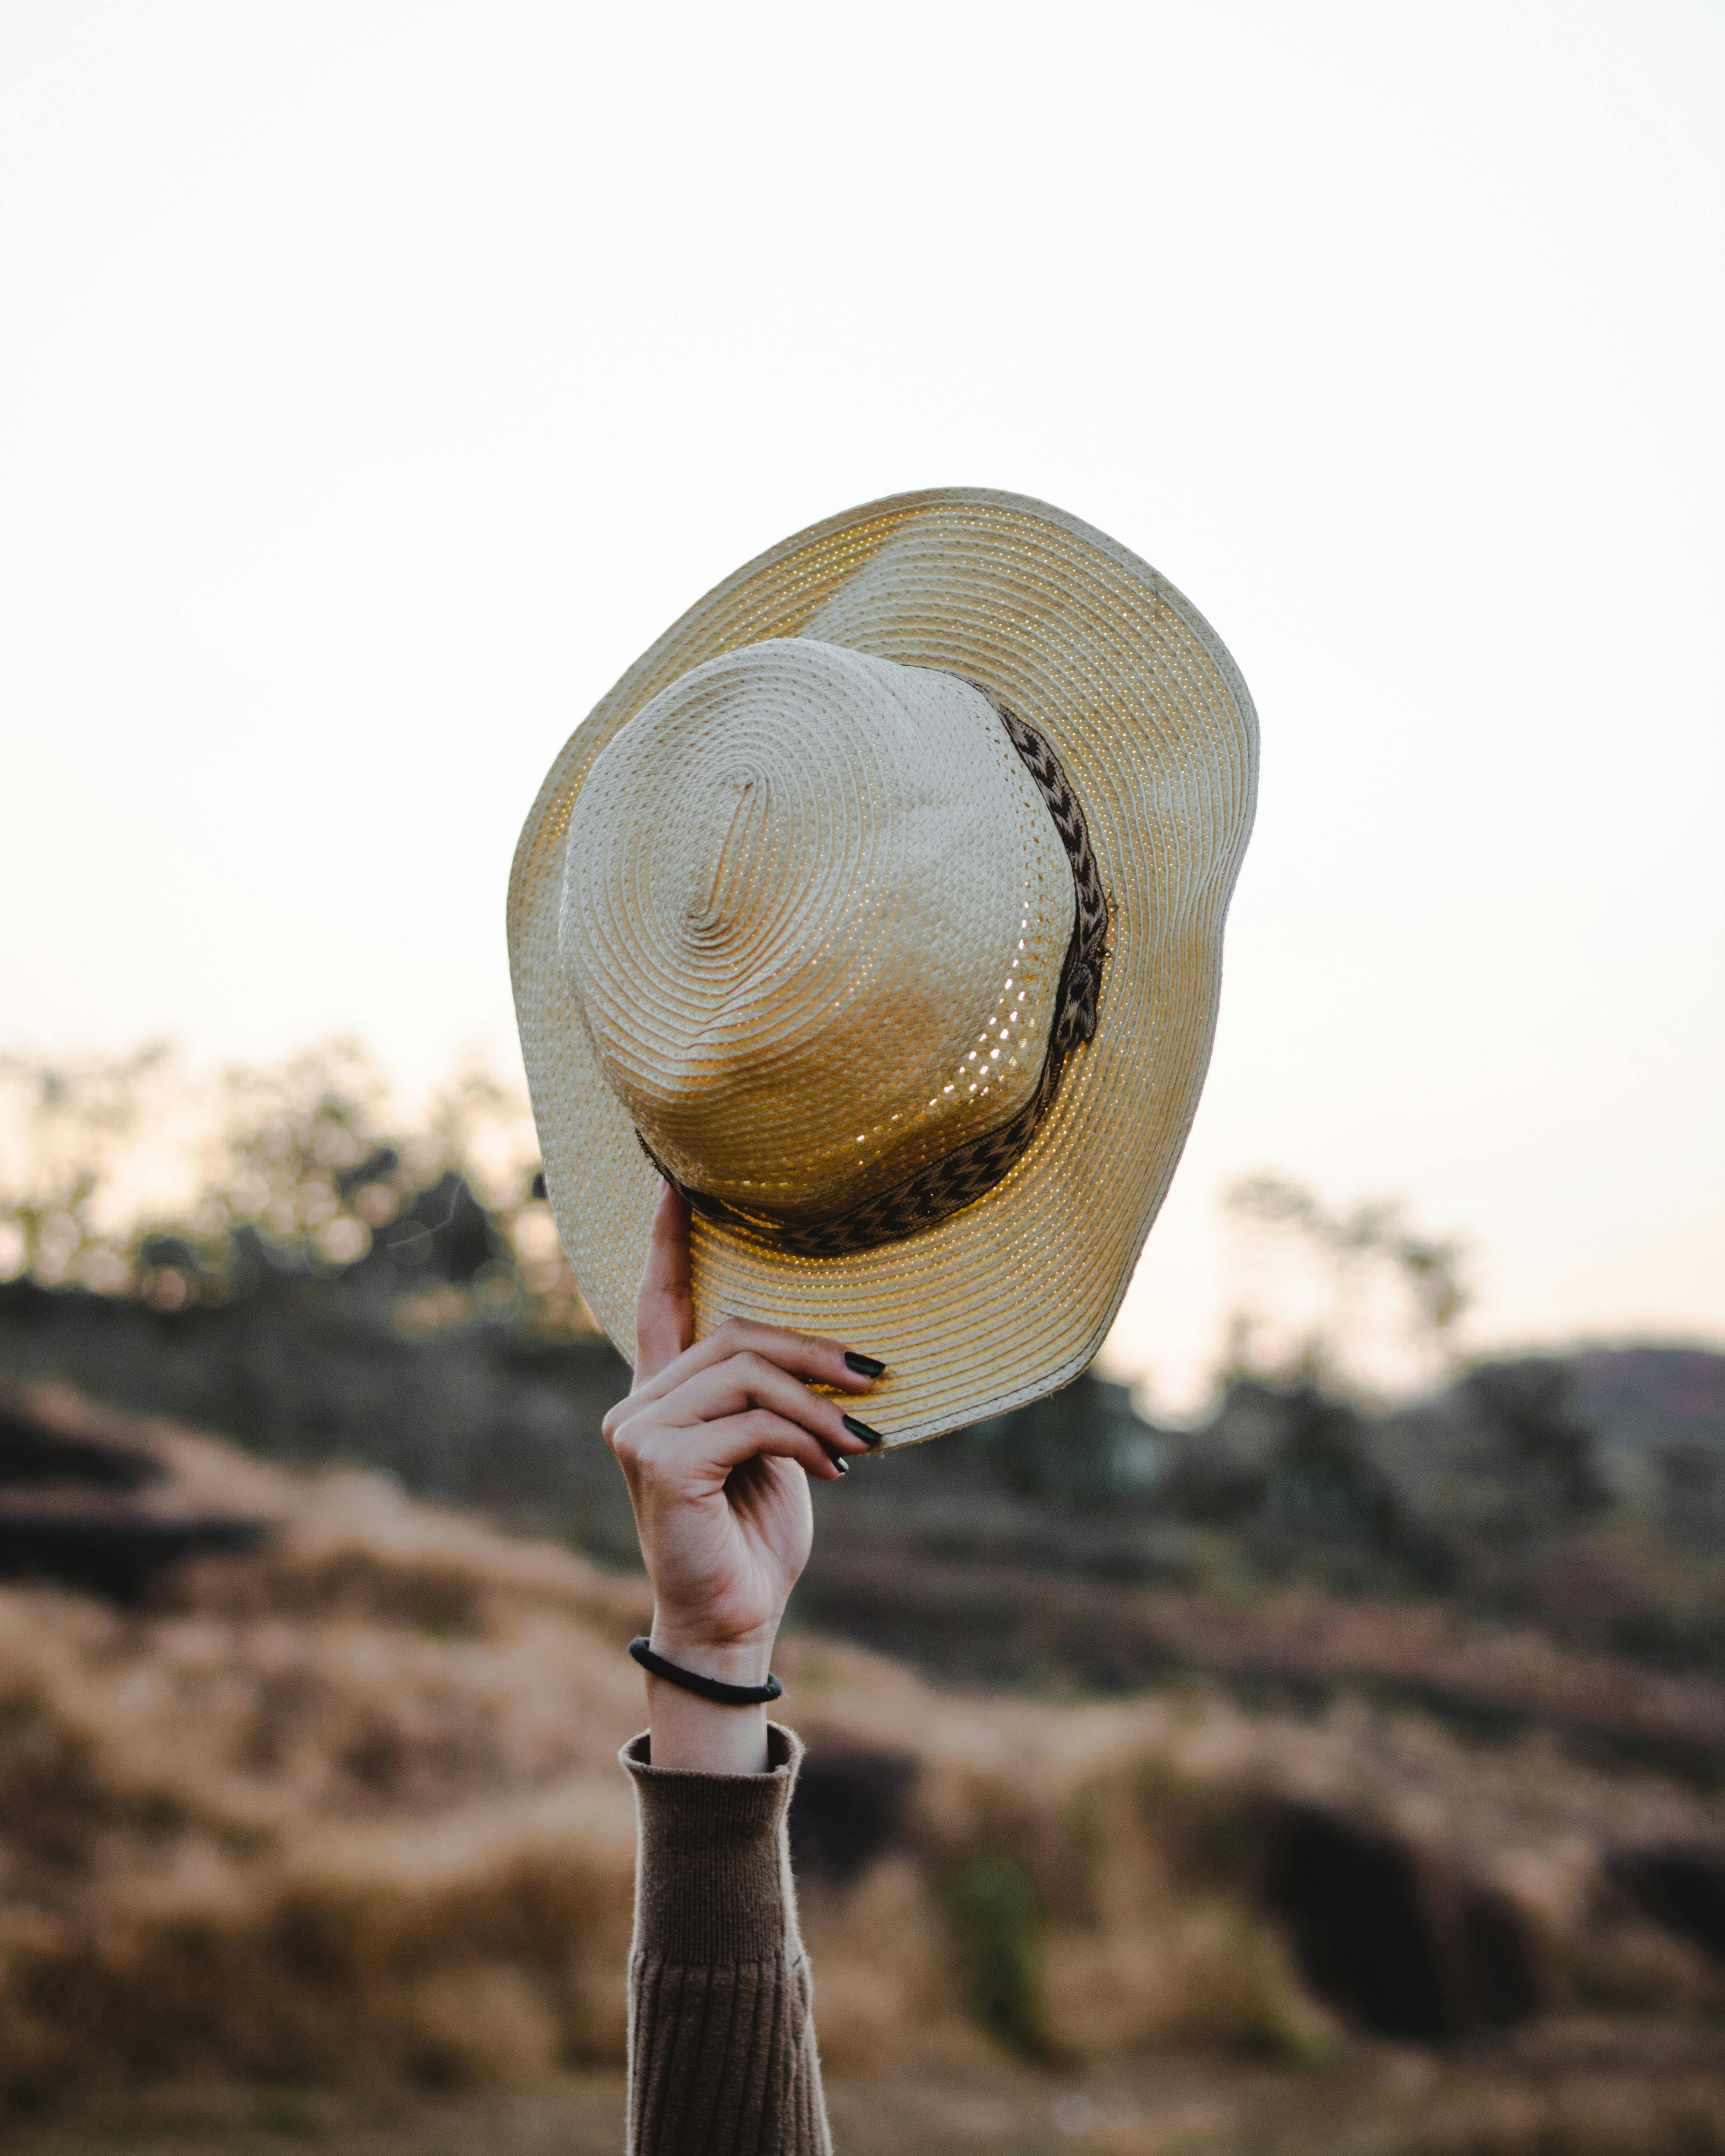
(1011, 1298)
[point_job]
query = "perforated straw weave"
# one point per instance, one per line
(792, 912)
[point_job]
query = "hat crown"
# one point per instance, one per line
(815, 912)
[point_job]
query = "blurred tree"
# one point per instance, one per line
(298, 1170)
(68, 1121)
(1343, 1261)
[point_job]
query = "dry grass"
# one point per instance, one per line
(347, 1814)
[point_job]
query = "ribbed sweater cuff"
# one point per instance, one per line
(712, 1884)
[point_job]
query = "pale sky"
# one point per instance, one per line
(376, 381)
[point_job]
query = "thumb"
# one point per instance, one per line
(664, 1309)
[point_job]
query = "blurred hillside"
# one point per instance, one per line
(338, 1808)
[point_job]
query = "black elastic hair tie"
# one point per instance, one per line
(722, 1695)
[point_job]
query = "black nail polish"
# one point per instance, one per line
(837, 1458)
(862, 1430)
(865, 1366)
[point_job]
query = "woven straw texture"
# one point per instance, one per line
(1154, 730)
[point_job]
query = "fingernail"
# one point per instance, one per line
(833, 1454)
(865, 1366)
(862, 1430)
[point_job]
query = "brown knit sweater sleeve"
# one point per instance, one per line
(721, 2058)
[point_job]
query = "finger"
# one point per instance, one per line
(664, 1309)
(741, 1382)
(805, 1354)
(672, 1460)
(640, 1426)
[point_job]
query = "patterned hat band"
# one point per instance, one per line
(947, 1185)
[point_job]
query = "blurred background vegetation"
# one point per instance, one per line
(1343, 1727)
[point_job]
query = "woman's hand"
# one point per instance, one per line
(717, 1440)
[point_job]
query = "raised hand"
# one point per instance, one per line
(717, 1440)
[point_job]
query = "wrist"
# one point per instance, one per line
(696, 1733)
(736, 1660)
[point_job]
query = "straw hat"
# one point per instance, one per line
(879, 906)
